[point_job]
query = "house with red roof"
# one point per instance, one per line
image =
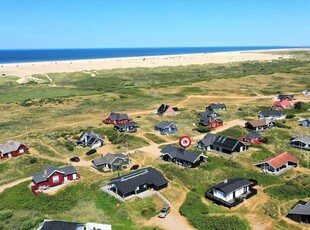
(278, 164)
(282, 105)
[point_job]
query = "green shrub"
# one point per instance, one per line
(5, 214)
(148, 212)
(202, 129)
(290, 116)
(69, 145)
(33, 160)
(287, 192)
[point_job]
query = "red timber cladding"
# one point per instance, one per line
(169, 112)
(20, 151)
(108, 121)
(214, 124)
(51, 183)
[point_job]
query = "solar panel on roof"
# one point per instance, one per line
(138, 173)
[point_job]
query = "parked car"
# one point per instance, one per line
(90, 152)
(164, 212)
(75, 159)
(134, 167)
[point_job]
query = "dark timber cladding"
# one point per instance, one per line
(301, 212)
(138, 181)
(181, 156)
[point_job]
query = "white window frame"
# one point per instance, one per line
(56, 179)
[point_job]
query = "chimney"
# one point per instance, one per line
(45, 172)
(225, 181)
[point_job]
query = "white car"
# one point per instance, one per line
(164, 212)
(306, 93)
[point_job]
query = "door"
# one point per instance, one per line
(234, 194)
(74, 176)
(65, 179)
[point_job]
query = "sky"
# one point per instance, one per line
(35, 24)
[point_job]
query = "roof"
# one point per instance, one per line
(109, 158)
(271, 113)
(175, 152)
(163, 108)
(260, 122)
(9, 146)
(285, 96)
(279, 160)
(127, 124)
(252, 136)
(164, 124)
(90, 138)
(208, 139)
(283, 103)
(207, 120)
(131, 181)
(301, 138)
(226, 142)
(119, 116)
(207, 113)
(61, 225)
(301, 209)
(216, 106)
(49, 170)
(231, 185)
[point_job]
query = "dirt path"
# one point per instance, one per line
(11, 184)
(174, 220)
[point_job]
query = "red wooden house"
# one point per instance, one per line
(166, 110)
(252, 138)
(212, 123)
(282, 105)
(52, 176)
(117, 118)
(12, 149)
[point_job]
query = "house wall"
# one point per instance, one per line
(169, 112)
(220, 194)
(51, 183)
(20, 151)
(229, 196)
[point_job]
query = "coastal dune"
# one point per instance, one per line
(27, 69)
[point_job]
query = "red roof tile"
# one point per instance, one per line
(280, 159)
(285, 103)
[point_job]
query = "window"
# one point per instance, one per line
(55, 179)
(21, 151)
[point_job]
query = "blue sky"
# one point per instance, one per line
(26, 24)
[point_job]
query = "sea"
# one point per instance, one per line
(39, 55)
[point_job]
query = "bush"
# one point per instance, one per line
(69, 145)
(290, 116)
(203, 129)
(148, 212)
(33, 160)
(5, 214)
(288, 192)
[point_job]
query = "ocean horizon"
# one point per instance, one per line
(41, 55)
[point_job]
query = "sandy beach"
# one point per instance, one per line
(28, 69)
